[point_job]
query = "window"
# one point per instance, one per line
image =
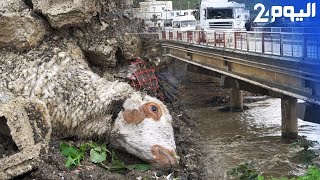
(188, 23)
(219, 13)
(176, 24)
(163, 8)
(172, 14)
(186, 13)
(178, 13)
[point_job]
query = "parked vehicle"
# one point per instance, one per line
(222, 14)
(183, 23)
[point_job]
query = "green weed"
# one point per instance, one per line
(313, 173)
(74, 155)
(245, 171)
(306, 155)
(98, 155)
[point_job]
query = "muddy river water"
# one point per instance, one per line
(251, 136)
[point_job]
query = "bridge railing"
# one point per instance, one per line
(287, 44)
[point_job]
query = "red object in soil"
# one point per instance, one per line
(144, 78)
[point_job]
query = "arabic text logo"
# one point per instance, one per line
(286, 11)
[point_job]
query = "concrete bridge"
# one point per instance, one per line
(279, 62)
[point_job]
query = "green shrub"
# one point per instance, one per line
(306, 155)
(245, 171)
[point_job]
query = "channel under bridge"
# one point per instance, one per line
(279, 62)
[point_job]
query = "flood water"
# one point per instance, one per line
(251, 136)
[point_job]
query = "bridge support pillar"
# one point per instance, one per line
(289, 124)
(236, 100)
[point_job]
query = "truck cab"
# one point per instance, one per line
(222, 14)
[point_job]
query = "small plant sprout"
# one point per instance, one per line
(97, 155)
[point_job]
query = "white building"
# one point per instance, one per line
(152, 7)
(170, 15)
(185, 12)
(163, 11)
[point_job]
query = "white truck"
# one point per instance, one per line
(183, 23)
(222, 14)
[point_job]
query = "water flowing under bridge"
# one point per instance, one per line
(279, 62)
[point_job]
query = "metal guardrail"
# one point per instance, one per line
(286, 44)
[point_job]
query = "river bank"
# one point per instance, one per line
(228, 139)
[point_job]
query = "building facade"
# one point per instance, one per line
(162, 10)
(151, 8)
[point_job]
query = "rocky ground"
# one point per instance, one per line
(52, 165)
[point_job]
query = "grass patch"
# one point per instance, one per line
(98, 155)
